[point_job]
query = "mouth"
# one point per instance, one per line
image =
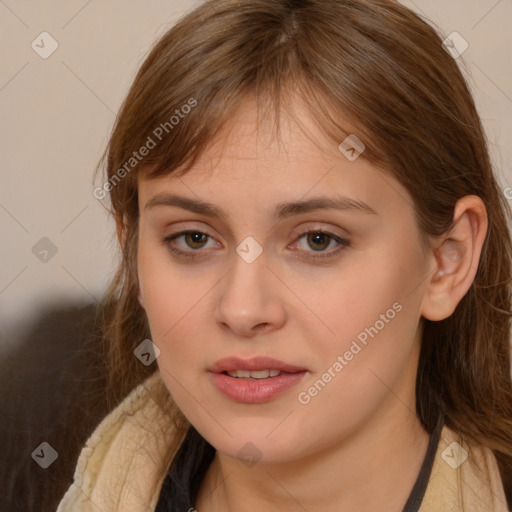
(258, 374)
(254, 380)
(253, 367)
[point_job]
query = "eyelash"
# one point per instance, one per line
(193, 254)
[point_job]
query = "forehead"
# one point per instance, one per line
(248, 165)
(248, 142)
(251, 139)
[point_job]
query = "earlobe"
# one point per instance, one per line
(456, 259)
(139, 297)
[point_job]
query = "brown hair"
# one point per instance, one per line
(381, 66)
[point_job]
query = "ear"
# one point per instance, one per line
(455, 259)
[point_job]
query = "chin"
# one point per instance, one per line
(257, 444)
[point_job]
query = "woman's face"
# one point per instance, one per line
(337, 310)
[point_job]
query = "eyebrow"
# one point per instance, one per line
(281, 210)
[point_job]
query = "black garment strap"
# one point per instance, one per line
(413, 503)
(181, 485)
(186, 473)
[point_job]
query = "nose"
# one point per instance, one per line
(250, 300)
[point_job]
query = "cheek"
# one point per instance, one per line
(175, 305)
(355, 300)
(369, 316)
(164, 291)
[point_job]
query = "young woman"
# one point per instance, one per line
(312, 306)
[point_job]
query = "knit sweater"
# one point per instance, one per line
(122, 467)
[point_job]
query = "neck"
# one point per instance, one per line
(373, 469)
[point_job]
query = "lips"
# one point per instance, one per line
(254, 380)
(231, 364)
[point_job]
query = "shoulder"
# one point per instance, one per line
(465, 476)
(125, 459)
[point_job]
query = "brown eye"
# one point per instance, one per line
(190, 247)
(195, 239)
(318, 240)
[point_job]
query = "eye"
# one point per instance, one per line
(194, 239)
(320, 240)
(317, 239)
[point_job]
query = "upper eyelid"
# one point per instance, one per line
(311, 226)
(343, 227)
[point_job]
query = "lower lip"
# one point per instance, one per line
(255, 391)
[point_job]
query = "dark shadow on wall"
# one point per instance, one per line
(52, 391)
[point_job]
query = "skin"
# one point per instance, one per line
(329, 454)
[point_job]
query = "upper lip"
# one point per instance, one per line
(229, 364)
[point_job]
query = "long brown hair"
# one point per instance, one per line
(380, 66)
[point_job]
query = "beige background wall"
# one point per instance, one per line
(56, 114)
